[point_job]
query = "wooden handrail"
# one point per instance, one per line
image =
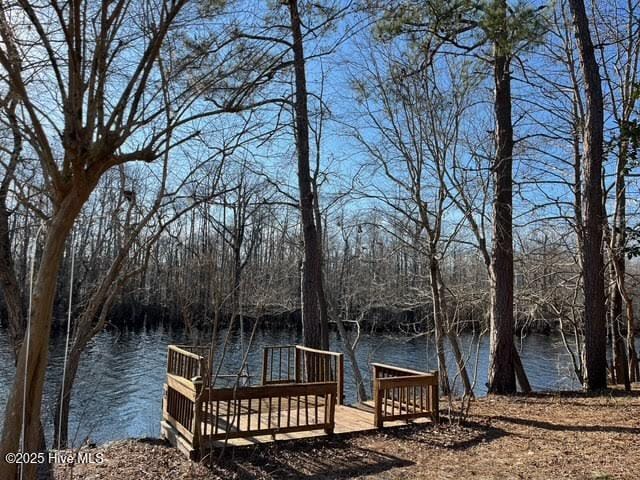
(267, 410)
(401, 370)
(315, 350)
(285, 401)
(404, 394)
(411, 380)
(324, 366)
(184, 363)
(266, 391)
(180, 349)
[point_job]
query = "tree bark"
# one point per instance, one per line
(438, 323)
(32, 360)
(593, 271)
(502, 378)
(315, 328)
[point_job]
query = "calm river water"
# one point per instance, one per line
(118, 393)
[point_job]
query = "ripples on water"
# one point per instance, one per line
(118, 391)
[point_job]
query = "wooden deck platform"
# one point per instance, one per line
(300, 396)
(348, 419)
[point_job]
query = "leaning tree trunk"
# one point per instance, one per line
(315, 331)
(595, 331)
(620, 366)
(32, 360)
(502, 378)
(453, 338)
(353, 359)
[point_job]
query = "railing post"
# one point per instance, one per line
(330, 427)
(197, 411)
(298, 367)
(341, 379)
(265, 359)
(435, 395)
(377, 400)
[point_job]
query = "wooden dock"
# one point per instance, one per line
(349, 419)
(301, 396)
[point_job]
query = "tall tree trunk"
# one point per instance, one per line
(438, 322)
(502, 378)
(315, 328)
(620, 366)
(626, 356)
(32, 360)
(593, 271)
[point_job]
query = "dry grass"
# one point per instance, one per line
(529, 437)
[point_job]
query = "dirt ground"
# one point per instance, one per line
(549, 436)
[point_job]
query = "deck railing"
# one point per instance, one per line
(186, 362)
(267, 410)
(180, 408)
(402, 394)
(279, 364)
(298, 364)
(286, 402)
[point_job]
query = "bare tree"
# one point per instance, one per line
(99, 105)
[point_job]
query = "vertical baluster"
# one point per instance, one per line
(203, 418)
(326, 406)
(280, 371)
(237, 409)
(306, 409)
(217, 416)
(403, 400)
(279, 409)
(182, 409)
(383, 409)
(393, 401)
(249, 415)
(413, 390)
(208, 413)
(271, 365)
(406, 399)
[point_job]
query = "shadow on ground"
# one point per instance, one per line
(344, 457)
(453, 437)
(316, 465)
(567, 428)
